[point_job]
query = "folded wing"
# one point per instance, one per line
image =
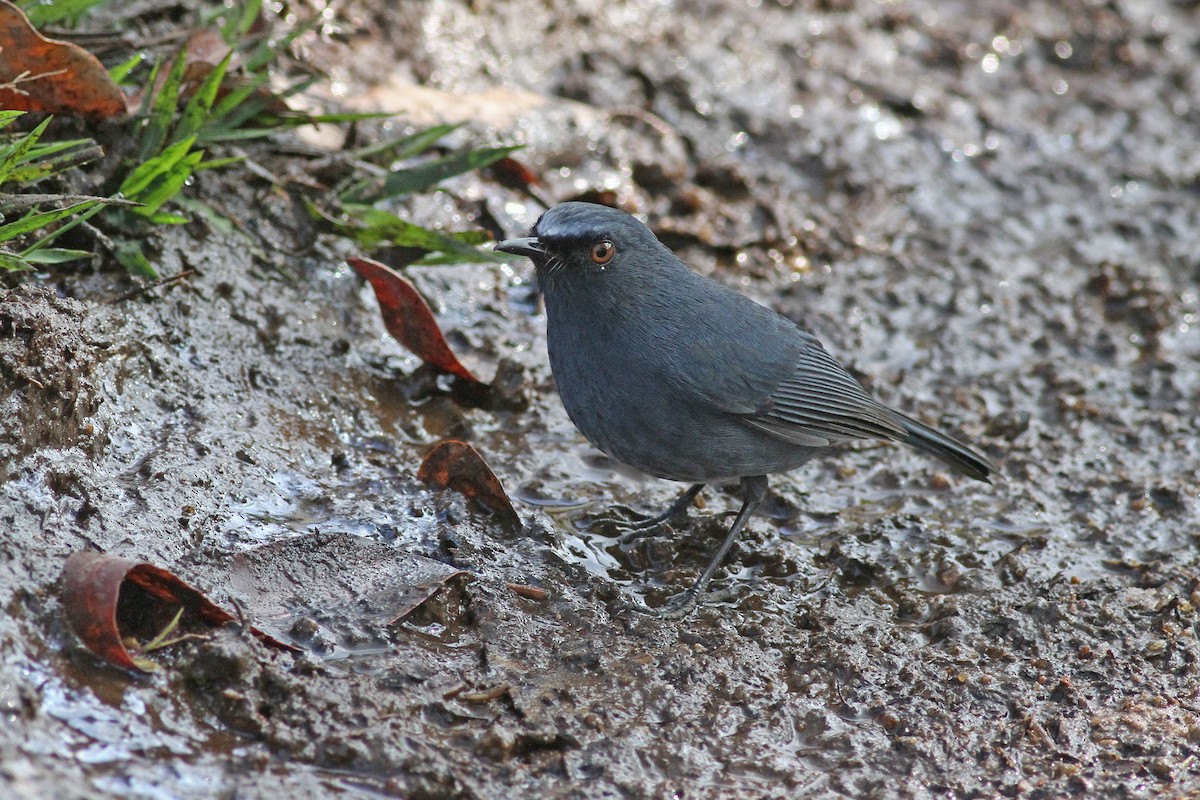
(821, 404)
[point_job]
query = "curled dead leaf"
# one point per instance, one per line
(107, 598)
(458, 466)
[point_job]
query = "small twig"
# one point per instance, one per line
(1040, 733)
(485, 696)
(243, 617)
(143, 289)
(25, 77)
(531, 592)
(100, 42)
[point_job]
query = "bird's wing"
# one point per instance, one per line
(820, 404)
(764, 370)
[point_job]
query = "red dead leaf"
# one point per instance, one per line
(409, 319)
(102, 595)
(40, 74)
(206, 46)
(513, 174)
(458, 466)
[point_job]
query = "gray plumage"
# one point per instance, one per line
(680, 376)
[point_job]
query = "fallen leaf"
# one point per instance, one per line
(206, 45)
(458, 466)
(512, 174)
(40, 74)
(409, 319)
(106, 598)
(341, 579)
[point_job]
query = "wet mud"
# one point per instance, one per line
(987, 210)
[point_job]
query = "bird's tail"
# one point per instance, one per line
(947, 449)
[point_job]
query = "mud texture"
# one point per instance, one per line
(988, 210)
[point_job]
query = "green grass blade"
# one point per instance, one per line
(42, 14)
(26, 174)
(301, 86)
(38, 219)
(269, 51)
(406, 146)
(121, 71)
(473, 238)
(424, 176)
(240, 135)
(137, 181)
(50, 148)
(199, 106)
(215, 219)
(250, 107)
(8, 116)
(371, 227)
(238, 95)
(55, 255)
(238, 25)
(11, 262)
(166, 218)
(419, 142)
(166, 184)
(217, 163)
(162, 111)
(17, 152)
(148, 95)
(79, 219)
(296, 119)
(130, 254)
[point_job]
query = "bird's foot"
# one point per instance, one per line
(632, 529)
(680, 605)
(617, 523)
(627, 530)
(677, 607)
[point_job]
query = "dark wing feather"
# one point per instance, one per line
(821, 404)
(751, 362)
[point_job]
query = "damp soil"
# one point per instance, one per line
(990, 211)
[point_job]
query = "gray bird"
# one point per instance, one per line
(681, 377)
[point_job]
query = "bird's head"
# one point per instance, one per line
(577, 244)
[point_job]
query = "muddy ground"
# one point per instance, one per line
(991, 211)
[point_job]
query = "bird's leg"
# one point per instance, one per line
(678, 508)
(754, 491)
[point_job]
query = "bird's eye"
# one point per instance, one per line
(603, 252)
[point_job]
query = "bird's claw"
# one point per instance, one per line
(677, 607)
(628, 530)
(680, 605)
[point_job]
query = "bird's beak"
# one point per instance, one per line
(528, 246)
